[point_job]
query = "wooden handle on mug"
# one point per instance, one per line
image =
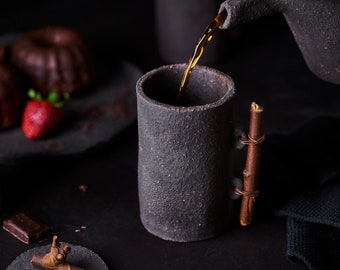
(250, 173)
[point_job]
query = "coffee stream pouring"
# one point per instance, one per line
(198, 51)
(314, 24)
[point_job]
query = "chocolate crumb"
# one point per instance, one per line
(83, 188)
(42, 240)
(82, 227)
(55, 146)
(86, 126)
(92, 111)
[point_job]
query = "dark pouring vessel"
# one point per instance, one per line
(315, 25)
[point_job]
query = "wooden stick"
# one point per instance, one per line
(250, 173)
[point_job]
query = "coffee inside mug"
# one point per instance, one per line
(206, 86)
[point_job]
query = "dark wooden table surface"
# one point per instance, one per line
(267, 67)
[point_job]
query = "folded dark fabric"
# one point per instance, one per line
(300, 180)
(315, 245)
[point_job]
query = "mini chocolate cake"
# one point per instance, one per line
(54, 58)
(11, 93)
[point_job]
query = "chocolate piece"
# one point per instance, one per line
(25, 228)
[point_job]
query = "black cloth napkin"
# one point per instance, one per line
(300, 180)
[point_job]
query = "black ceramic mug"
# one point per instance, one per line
(184, 171)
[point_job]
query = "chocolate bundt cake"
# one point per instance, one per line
(11, 97)
(54, 58)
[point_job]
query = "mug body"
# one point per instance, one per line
(184, 153)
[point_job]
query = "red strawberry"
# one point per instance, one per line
(41, 116)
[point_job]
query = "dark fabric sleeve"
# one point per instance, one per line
(300, 180)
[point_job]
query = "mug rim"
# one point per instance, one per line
(224, 98)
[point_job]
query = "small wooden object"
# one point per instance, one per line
(250, 173)
(55, 259)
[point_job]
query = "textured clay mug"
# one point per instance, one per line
(184, 156)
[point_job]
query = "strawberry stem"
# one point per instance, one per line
(53, 97)
(34, 95)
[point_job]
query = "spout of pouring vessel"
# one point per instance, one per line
(315, 26)
(241, 11)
